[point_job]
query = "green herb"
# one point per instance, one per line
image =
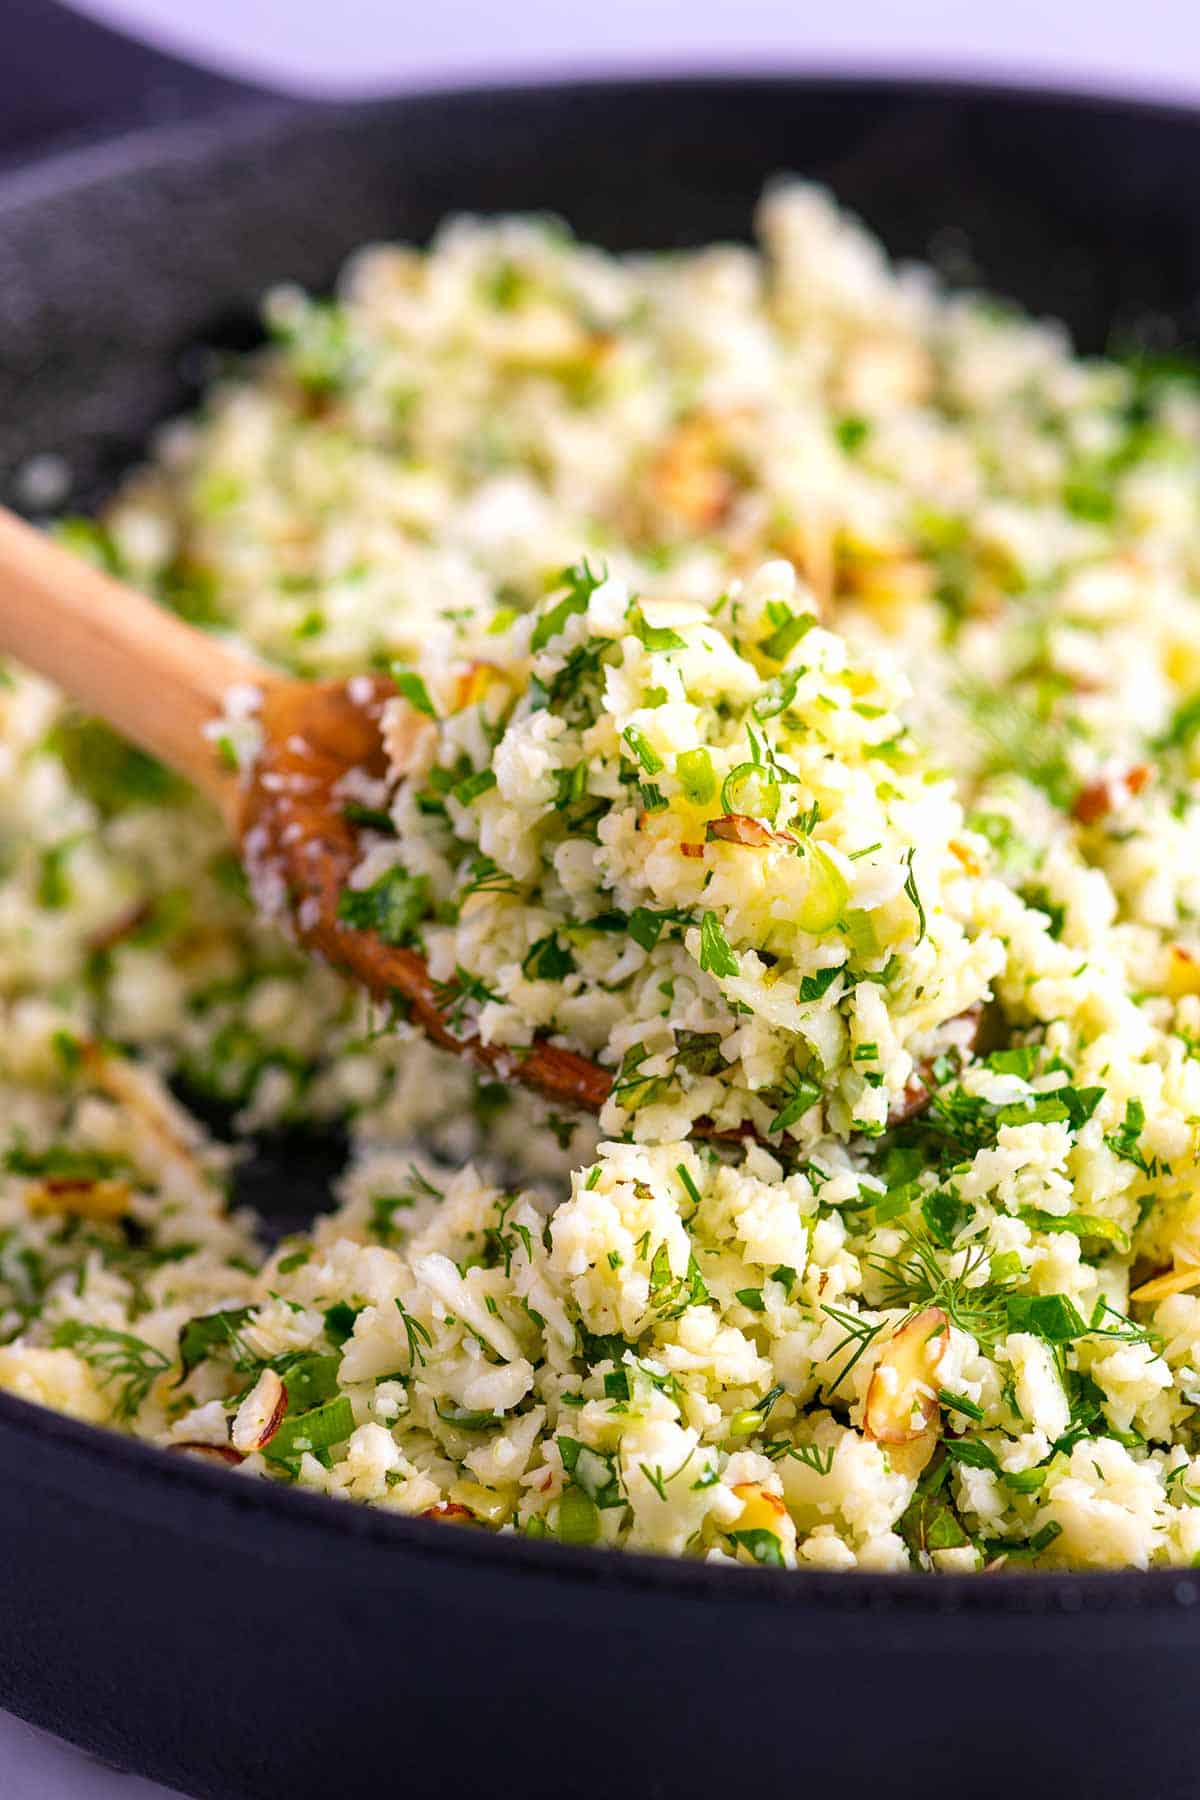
(632, 1089)
(699, 1052)
(1024, 1481)
(53, 888)
(310, 1380)
(776, 695)
(972, 1452)
(594, 1472)
(790, 627)
(1021, 1061)
(484, 876)
(910, 888)
(63, 1161)
(812, 987)
(802, 1092)
(693, 1191)
(762, 1544)
(413, 689)
(393, 906)
(1185, 723)
(117, 1357)
(930, 1523)
(454, 996)
(852, 432)
(113, 774)
(1007, 1547)
(960, 1404)
(339, 1321)
(1050, 1316)
(1040, 899)
(204, 1336)
(813, 1456)
(916, 1279)
(671, 1295)
(465, 1420)
(416, 1335)
(368, 818)
(547, 960)
(581, 584)
(1124, 1142)
(858, 1332)
(466, 792)
(716, 958)
(646, 754)
(654, 637)
(1080, 1225)
(752, 1298)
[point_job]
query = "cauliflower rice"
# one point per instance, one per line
(799, 715)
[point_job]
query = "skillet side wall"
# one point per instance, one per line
(258, 1644)
(116, 263)
(179, 1626)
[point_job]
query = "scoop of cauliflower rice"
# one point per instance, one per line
(840, 797)
(694, 842)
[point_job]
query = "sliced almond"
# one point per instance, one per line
(222, 1453)
(260, 1415)
(902, 1398)
(1101, 797)
(1161, 1287)
(689, 477)
(739, 828)
(911, 1459)
(452, 1511)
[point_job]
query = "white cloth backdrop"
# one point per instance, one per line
(349, 46)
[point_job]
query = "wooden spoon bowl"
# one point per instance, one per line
(165, 685)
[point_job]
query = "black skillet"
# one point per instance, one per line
(234, 1639)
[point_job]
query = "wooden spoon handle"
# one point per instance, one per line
(124, 658)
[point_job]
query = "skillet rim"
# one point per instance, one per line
(1162, 1591)
(235, 121)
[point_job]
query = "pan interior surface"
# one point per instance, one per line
(323, 1648)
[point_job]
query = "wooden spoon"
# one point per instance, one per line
(165, 685)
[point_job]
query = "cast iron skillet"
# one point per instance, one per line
(235, 1639)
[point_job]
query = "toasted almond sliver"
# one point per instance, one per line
(222, 1453)
(260, 1415)
(902, 1397)
(1160, 1287)
(738, 828)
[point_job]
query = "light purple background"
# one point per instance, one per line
(356, 46)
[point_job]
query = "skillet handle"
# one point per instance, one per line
(66, 79)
